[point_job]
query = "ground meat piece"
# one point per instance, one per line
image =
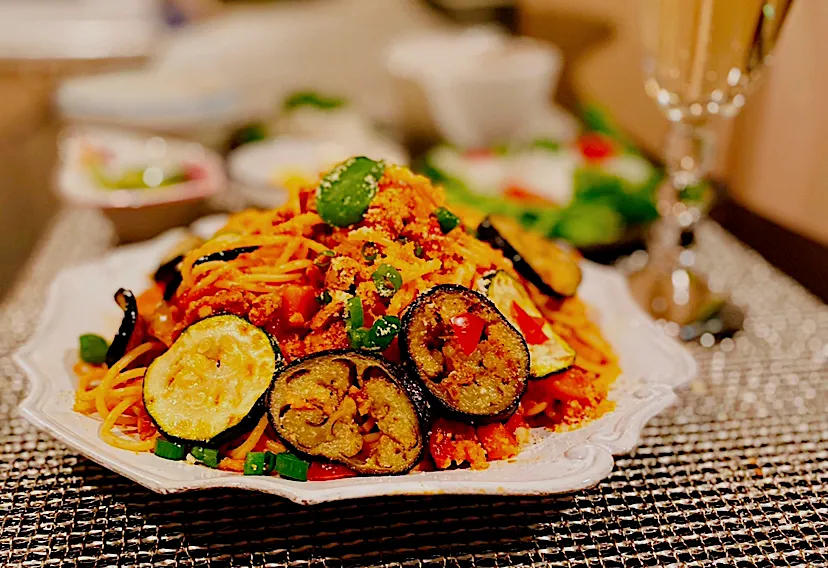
(332, 337)
(498, 442)
(455, 442)
(342, 273)
(223, 301)
(265, 309)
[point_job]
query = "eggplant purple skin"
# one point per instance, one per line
(399, 375)
(487, 232)
(117, 349)
(225, 255)
(169, 275)
(409, 362)
(249, 421)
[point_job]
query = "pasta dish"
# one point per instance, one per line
(360, 329)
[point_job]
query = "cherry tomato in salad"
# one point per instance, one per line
(595, 147)
(531, 328)
(468, 328)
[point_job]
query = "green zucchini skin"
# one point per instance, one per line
(563, 356)
(252, 416)
(411, 387)
(410, 359)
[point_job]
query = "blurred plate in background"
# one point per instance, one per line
(145, 184)
(260, 170)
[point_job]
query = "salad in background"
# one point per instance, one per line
(597, 190)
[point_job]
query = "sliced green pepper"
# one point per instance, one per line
(358, 338)
(369, 251)
(323, 259)
(345, 193)
(447, 219)
(383, 332)
(169, 450)
(291, 467)
(93, 348)
(354, 313)
(387, 280)
(257, 463)
(207, 456)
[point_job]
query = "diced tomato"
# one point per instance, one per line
(455, 442)
(328, 471)
(299, 304)
(150, 298)
(392, 353)
(531, 328)
(498, 442)
(468, 329)
(573, 384)
(595, 147)
(516, 421)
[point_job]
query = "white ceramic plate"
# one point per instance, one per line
(256, 168)
(80, 301)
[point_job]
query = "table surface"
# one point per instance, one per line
(735, 474)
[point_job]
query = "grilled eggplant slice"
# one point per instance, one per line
(169, 275)
(224, 255)
(545, 263)
(468, 356)
(547, 351)
(212, 382)
(123, 339)
(353, 407)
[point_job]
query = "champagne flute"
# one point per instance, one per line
(701, 58)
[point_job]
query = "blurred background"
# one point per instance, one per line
(156, 112)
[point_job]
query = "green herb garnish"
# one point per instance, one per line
(93, 348)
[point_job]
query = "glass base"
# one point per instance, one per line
(678, 296)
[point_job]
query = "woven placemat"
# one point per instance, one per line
(735, 475)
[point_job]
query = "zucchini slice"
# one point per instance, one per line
(548, 353)
(212, 382)
(545, 263)
(468, 356)
(353, 407)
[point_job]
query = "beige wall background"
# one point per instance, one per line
(774, 157)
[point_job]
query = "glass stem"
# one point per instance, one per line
(687, 154)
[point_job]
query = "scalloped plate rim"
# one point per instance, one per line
(615, 433)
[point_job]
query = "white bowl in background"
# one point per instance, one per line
(138, 213)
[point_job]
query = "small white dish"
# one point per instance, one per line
(260, 169)
(479, 87)
(138, 213)
(80, 301)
